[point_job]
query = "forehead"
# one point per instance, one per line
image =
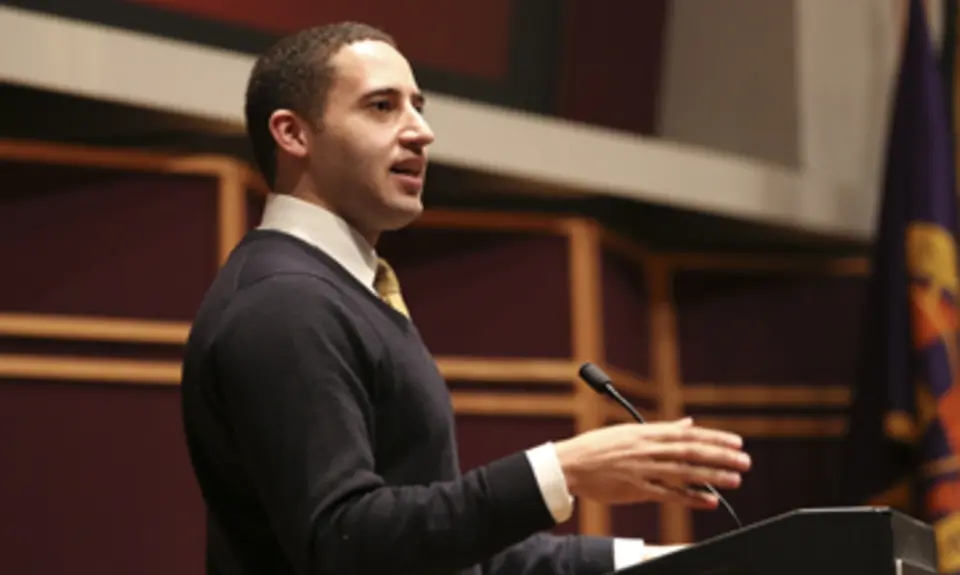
(371, 65)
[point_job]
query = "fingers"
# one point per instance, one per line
(701, 453)
(682, 473)
(685, 430)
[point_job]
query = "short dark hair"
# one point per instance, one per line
(295, 74)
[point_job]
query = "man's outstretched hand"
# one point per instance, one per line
(659, 462)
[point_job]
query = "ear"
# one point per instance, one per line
(290, 132)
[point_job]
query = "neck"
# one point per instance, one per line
(303, 188)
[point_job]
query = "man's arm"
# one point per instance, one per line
(546, 554)
(295, 387)
(554, 555)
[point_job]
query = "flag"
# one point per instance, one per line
(904, 432)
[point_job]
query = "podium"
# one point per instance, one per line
(823, 541)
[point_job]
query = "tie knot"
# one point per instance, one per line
(385, 281)
(388, 288)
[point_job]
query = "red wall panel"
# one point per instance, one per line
(84, 241)
(96, 480)
(626, 314)
(470, 38)
(756, 327)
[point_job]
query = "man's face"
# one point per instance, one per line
(369, 157)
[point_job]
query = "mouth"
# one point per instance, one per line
(415, 173)
(410, 173)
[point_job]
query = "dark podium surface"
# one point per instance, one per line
(821, 541)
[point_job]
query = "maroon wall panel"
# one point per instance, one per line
(485, 293)
(754, 327)
(611, 61)
(470, 38)
(80, 241)
(96, 480)
(626, 317)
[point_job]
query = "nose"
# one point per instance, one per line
(417, 133)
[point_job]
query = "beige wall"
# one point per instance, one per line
(729, 80)
(800, 83)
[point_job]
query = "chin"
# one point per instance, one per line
(402, 214)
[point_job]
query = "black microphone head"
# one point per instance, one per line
(595, 377)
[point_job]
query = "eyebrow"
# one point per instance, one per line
(418, 98)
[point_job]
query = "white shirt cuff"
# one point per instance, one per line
(553, 485)
(627, 552)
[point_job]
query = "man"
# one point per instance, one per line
(319, 428)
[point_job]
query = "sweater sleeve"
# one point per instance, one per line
(295, 379)
(548, 554)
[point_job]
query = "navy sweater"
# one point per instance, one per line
(322, 437)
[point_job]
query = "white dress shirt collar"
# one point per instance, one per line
(324, 230)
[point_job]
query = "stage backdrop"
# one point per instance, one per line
(107, 255)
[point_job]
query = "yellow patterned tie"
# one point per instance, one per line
(387, 286)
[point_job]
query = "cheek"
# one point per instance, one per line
(355, 154)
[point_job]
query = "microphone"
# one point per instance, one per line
(597, 379)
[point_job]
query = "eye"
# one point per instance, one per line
(382, 105)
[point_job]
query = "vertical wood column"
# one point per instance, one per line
(588, 345)
(231, 209)
(675, 520)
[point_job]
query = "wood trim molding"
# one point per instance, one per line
(92, 328)
(705, 394)
(35, 152)
(778, 427)
(587, 343)
(89, 370)
(512, 404)
(847, 266)
(773, 426)
(676, 522)
(634, 385)
(507, 370)
(167, 373)
(627, 248)
(231, 213)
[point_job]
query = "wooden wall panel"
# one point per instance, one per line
(96, 480)
(767, 327)
(86, 241)
(626, 314)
